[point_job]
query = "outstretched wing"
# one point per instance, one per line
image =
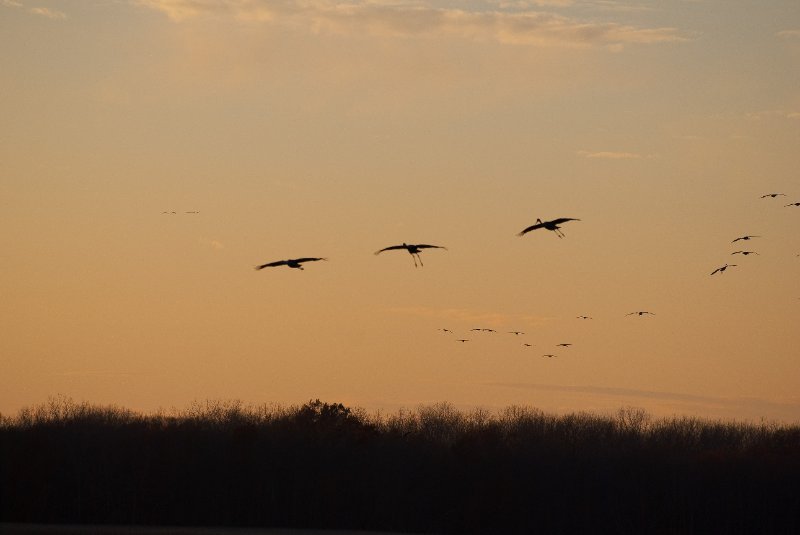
(562, 220)
(393, 247)
(425, 246)
(301, 260)
(273, 264)
(532, 227)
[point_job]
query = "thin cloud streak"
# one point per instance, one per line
(39, 11)
(787, 409)
(533, 28)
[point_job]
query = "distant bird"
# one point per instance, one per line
(745, 253)
(549, 355)
(793, 204)
(476, 329)
(462, 340)
(723, 268)
(168, 212)
(641, 313)
(517, 333)
(489, 330)
(549, 225)
(773, 195)
(293, 263)
(584, 318)
(744, 238)
(413, 250)
(527, 345)
(446, 331)
(193, 212)
(563, 345)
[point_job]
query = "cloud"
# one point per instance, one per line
(46, 12)
(754, 408)
(789, 34)
(607, 155)
(418, 20)
(40, 11)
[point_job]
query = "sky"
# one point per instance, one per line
(317, 128)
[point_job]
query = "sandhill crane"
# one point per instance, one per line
(640, 312)
(793, 204)
(413, 250)
(723, 268)
(745, 238)
(527, 344)
(745, 253)
(517, 333)
(563, 345)
(446, 331)
(462, 340)
(584, 318)
(773, 195)
(549, 355)
(549, 225)
(292, 263)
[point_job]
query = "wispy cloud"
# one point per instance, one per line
(789, 34)
(418, 20)
(40, 11)
(608, 155)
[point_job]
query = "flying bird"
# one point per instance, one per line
(527, 344)
(584, 318)
(516, 332)
(793, 204)
(549, 225)
(641, 313)
(745, 253)
(446, 331)
(563, 345)
(773, 195)
(745, 238)
(549, 355)
(723, 268)
(462, 340)
(293, 263)
(413, 250)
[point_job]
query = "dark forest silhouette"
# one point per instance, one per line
(430, 470)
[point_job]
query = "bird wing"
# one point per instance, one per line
(532, 227)
(425, 246)
(272, 264)
(393, 247)
(563, 220)
(299, 260)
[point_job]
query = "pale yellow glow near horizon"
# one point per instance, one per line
(333, 130)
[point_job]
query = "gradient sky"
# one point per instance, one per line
(321, 128)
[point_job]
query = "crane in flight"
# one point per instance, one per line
(548, 225)
(793, 204)
(640, 312)
(745, 253)
(773, 195)
(563, 345)
(517, 333)
(292, 263)
(723, 268)
(745, 238)
(413, 250)
(584, 317)
(549, 355)
(462, 340)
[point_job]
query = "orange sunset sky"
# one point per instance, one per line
(317, 128)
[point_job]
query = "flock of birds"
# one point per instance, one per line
(553, 225)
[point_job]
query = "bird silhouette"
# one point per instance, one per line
(413, 250)
(793, 204)
(563, 345)
(584, 318)
(745, 238)
(723, 268)
(549, 225)
(641, 313)
(292, 263)
(516, 332)
(773, 195)
(549, 355)
(446, 331)
(462, 340)
(527, 344)
(745, 253)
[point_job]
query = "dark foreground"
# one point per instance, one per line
(433, 470)
(55, 529)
